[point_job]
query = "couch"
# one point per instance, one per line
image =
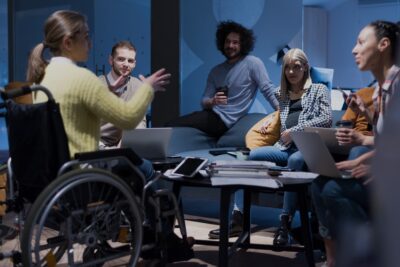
(186, 141)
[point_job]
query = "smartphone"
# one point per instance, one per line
(189, 166)
(223, 90)
(217, 152)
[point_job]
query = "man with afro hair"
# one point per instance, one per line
(232, 85)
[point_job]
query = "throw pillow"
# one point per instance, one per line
(254, 138)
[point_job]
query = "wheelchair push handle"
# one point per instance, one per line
(13, 93)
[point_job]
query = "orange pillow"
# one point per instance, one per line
(360, 121)
(24, 99)
(254, 138)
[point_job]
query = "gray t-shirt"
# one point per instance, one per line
(242, 79)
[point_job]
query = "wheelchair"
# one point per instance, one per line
(79, 212)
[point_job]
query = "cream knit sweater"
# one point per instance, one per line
(84, 100)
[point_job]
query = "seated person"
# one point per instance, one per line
(232, 85)
(360, 122)
(342, 201)
(122, 61)
(301, 103)
(84, 100)
(360, 136)
(266, 132)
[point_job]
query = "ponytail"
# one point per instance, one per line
(60, 24)
(389, 30)
(36, 64)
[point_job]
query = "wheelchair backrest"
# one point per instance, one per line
(38, 144)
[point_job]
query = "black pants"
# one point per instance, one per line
(206, 120)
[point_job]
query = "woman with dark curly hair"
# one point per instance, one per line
(341, 203)
(232, 85)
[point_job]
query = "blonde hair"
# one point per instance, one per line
(60, 24)
(294, 54)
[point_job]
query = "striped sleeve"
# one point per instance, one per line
(317, 111)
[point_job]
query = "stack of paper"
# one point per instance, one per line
(242, 172)
(248, 173)
(266, 182)
(240, 168)
(254, 164)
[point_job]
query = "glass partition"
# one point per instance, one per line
(3, 64)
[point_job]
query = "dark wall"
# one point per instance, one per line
(27, 21)
(165, 54)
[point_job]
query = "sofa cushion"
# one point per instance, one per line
(187, 138)
(235, 136)
(254, 138)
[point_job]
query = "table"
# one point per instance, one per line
(226, 248)
(167, 163)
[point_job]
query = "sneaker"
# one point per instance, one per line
(179, 249)
(282, 235)
(234, 231)
(235, 227)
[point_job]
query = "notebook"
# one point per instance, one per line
(149, 143)
(316, 155)
(329, 138)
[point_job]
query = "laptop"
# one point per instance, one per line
(149, 143)
(316, 155)
(329, 138)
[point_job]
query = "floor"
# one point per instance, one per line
(206, 255)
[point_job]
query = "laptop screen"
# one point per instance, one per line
(149, 143)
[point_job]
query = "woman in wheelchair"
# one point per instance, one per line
(83, 99)
(90, 207)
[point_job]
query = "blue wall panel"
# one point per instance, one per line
(131, 21)
(345, 21)
(29, 20)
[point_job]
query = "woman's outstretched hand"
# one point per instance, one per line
(157, 80)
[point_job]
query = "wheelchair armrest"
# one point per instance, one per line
(13, 93)
(110, 153)
(24, 90)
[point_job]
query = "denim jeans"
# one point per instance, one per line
(357, 151)
(290, 157)
(146, 168)
(124, 171)
(339, 201)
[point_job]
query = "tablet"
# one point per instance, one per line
(189, 166)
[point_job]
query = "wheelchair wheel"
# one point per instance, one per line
(85, 217)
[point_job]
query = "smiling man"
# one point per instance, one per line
(232, 85)
(119, 80)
